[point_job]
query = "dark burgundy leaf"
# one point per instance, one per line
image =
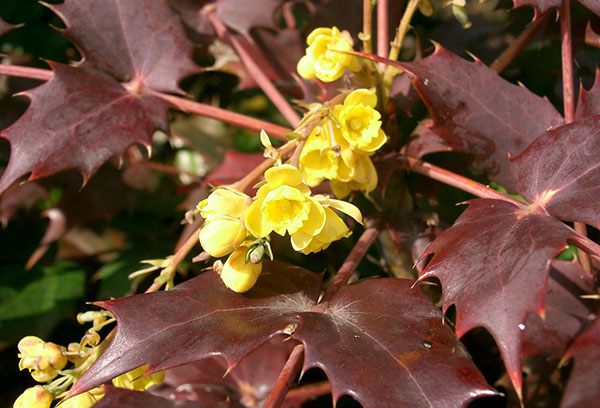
(77, 120)
(133, 40)
(583, 389)
(589, 100)
(191, 13)
(122, 398)
(5, 27)
(593, 5)
(479, 113)
(403, 93)
(591, 36)
(560, 171)
(242, 16)
(391, 353)
(18, 197)
(425, 141)
(566, 312)
(376, 328)
(493, 264)
(539, 6)
(235, 165)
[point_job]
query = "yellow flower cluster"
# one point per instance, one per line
(339, 148)
(284, 205)
(34, 397)
(42, 359)
(322, 59)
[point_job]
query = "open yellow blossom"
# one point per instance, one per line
(334, 229)
(42, 359)
(320, 158)
(34, 397)
(83, 400)
(136, 380)
(238, 274)
(363, 177)
(224, 229)
(360, 122)
(284, 205)
(322, 61)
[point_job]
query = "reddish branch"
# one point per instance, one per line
(351, 262)
(287, 376)
(257, 73)
(367, 26)
(520, 42)
(308, 391)
(382, 28)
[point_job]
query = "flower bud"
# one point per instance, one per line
(239, 275)
(34, 397)
(256, 254)
(42, 359)
(221, 236)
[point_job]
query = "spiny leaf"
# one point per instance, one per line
(493, 264)
(583, 388)
(235, 165)
(401, 330)
(133, 40)
(541, 6)
(591, 36)
(77, 120)
(5, 27)
(479, 113)
(588, 104)
(560, 171)
(239, 16)
(122, 398)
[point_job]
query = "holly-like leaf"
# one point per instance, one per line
(583, 388)
(541, 6)
(588, 104)
(593, 5)
(424, 141)
(560, 171)
(133, 40)
(77, 120)
(5, 27)
(122, 398)
(493, 264)
(18, 197)
(591, 36)
(235, 165)
(566, 312)
(400, 328)
(238, 15)
(477, 112)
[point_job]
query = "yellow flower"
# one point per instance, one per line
(361, 123)
(322, 60)
(34, 397)
(136, 380)
(319, 159)
(42, 359)
(283, 205)
(363, 177)
(84, 400)
(239, 275)
(334, 229)
(224, 230)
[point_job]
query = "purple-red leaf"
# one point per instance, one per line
(479, 113)
(583, 389)
(122, 398)
(588, 104)
(235, 165)
(566, 312)
(591, 36)
(541, 6)
(133, 40)
(377, 328)
(18, 197)
(5, 27)
(493, 264)
(424, 141)
(560, 171)
(241, 16)
(77, 120)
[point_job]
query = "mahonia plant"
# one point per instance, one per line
(515, 258)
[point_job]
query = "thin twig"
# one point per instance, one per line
(257, 74)
(351, 262)
(367, 32)
(287, 376)
(520, 42)
(308, 391)
(382, 29)
(295, 159)
(26, 72)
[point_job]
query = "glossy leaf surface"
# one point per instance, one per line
(130, 40)
(479, 113)
(560, 171)
(399, 337)
(583, 388)
(235, 165)
(588, 104)
(493, 264)
(77, 120)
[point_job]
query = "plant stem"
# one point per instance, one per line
(257, 74)
(310, 390)
(26, 72)
(456, 180)
(396, 46)
(382, 29)
(351, 262)
(295, 159)
(569, 99)
(520, 43)
(287, 376)
(367, 32)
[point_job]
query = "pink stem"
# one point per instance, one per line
(26, 72)
(287, 376)
(383, 40)
(257, 74)
(567, 61)
(305, 392)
